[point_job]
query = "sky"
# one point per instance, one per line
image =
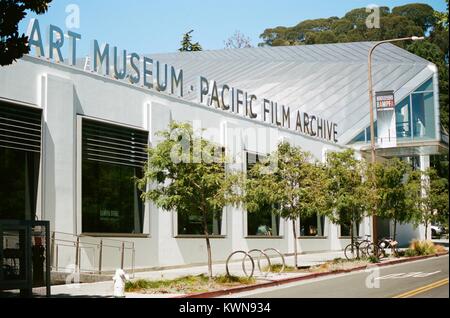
(157, 26)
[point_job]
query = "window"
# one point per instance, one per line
(112, 157)
(415, 114)
(20, 146)
(263, 222)
(345, 230)
(192, 223)
(312, 225)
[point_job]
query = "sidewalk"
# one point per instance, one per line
(105, 289)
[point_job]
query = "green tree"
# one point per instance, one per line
(421, 14)
(186, 173)
(395, 196)
(433, 193)
(347, 189)
(187, 45)
(293, 189)
(442, 19)
(13, 45)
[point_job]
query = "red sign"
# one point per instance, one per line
(385, 100)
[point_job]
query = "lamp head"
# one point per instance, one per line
(417, 38)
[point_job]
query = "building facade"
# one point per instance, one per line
(72, 138)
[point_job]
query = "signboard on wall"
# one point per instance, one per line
(385, 100)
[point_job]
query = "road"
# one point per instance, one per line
(420, 279)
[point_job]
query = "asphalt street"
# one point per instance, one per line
(420, 279)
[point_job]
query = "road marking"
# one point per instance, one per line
(408, 275)
(423, 289)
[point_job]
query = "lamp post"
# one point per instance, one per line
(372, 116)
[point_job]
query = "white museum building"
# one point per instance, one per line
(74, 133)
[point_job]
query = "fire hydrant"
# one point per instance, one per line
(120, 279)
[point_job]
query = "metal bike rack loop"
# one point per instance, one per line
(261, 253)
(243, 263)
(281, 255)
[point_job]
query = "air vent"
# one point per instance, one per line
(20, 127)
(114, 144)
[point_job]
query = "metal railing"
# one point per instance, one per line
(97, 245)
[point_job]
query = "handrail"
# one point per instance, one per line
(77, 242)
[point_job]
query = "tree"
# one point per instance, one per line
(442, 19)
(187, 45)
(293, 190)
(186, 174)
(420, 13)
(395, 195)
(433, 193)
(13, 45)
(347, 190)
(238, 41)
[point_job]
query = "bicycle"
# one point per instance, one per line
(360, 248)
(387, 244)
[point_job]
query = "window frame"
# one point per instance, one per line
(281, 222)
(146, 231)
(39, 204)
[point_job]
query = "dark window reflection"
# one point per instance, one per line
(111, 200)
(192, 224)
(345, 229)
(19, 173)
(262, 222)
(312, 225)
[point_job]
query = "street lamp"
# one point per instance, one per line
(372, 117)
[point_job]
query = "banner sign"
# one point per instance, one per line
(385, 100)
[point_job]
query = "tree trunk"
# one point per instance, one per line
(295, 243)
(208, 245)
(351, 238)
(426, 230)
(395, 230)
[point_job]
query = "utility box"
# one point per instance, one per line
(24, 256)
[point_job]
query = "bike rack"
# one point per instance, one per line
(243, 263)
(282, 258)
(261, 253)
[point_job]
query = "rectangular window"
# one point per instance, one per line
(345, 230)
(312, 225)
(20, 147)
(263, 222)
(192, 223)
(112, 157)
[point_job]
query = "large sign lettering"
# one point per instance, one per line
(151, 74)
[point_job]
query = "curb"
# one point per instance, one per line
(236, 290)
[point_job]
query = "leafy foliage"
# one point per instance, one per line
(12, 44)
(186, 173)
(396, 193)
(293, 190)
(347, 190)
(432, 207)
(187, 45)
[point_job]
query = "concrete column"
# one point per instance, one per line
(424, 165)
(59, 153)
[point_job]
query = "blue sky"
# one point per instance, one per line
(152, 26)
